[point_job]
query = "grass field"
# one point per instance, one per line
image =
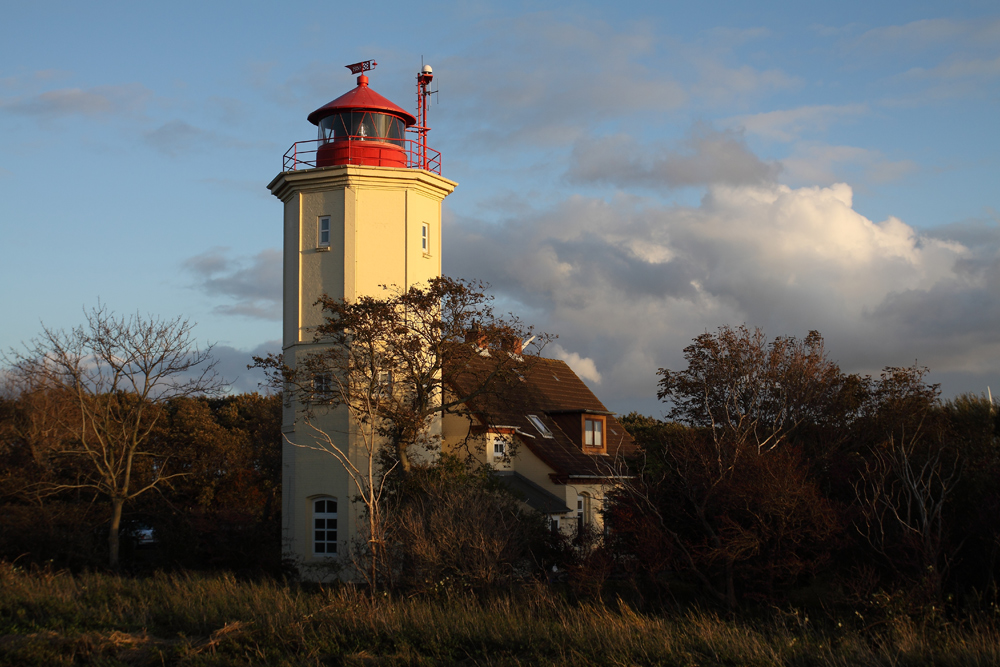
(54, 618)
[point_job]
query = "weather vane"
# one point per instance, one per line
(363, 66)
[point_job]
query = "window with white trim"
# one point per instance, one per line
(538, 424)
(583, 509)
(324, 232)
(325, 527)
(425, 238)
(501, 445)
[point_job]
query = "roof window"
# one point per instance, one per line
(542, 428)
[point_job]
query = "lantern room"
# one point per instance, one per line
(362, 127)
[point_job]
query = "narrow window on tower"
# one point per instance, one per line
(324, 231)
(325, 527)
(425, 238)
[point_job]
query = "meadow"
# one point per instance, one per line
(58, 618)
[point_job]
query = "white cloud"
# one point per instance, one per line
(626, 283)
(582, 366)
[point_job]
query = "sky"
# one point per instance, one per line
(631, 175)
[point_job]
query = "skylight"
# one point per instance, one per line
(542, 428)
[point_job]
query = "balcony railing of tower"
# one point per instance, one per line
(360, 149)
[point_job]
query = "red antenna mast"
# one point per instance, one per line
(424, 78)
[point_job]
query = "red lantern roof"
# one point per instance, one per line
(361, 98)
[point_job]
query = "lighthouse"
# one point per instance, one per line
(362, 209)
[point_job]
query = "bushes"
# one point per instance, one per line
(453, 528)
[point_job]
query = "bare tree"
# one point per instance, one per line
(117, 372)
(902, 496)
(394, 365)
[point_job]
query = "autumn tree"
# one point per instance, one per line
(722, 492)
(392, 363)
(226, 509)
(116, 373)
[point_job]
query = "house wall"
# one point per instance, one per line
(524, 461)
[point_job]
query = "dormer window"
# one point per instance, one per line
(542, 428)
(593, 432)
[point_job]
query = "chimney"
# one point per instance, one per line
(511, 344)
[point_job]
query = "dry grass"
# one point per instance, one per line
(51, 618)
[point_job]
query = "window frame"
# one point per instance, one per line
(503, 441)
(322, 387)
(425, 238)
(587, 420)
(540, 426)
(325, 516)
(320, 231)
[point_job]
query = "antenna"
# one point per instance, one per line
(424, 78)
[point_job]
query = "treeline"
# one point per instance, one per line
(780, 475)
(220, 508)
(776, 476)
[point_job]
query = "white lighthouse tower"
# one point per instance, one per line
(362, 209)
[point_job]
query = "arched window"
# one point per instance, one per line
(325, 527)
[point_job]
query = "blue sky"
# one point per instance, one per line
(629, 175)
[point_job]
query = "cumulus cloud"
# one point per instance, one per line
(709, 157)
(97, 101)
(626, 283)
(251, 285)
(582, 366)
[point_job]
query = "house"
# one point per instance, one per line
(548, 436)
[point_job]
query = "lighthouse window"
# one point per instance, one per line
(425, 238)
(362, 125)
(325, 527)
(324, 232)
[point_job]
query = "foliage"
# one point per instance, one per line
(392, 364)
(461, 529)
(223, 511)
(754, 530)
(117, 372)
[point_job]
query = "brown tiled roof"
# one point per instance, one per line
(546, 387)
